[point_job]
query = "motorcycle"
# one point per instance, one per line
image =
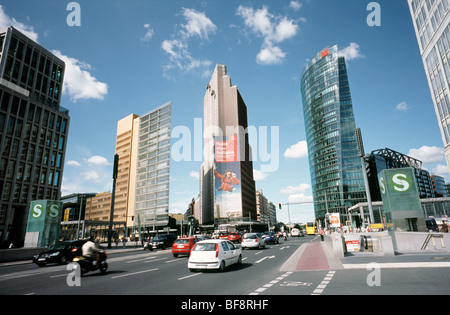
(148, 245)
(87, 264)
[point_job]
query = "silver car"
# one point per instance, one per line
(252, 240)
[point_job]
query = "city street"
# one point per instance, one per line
(263, 272)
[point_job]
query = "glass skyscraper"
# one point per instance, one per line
(34, 129)
(335, 165)
(431, 19)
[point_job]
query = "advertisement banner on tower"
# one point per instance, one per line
(227, 178)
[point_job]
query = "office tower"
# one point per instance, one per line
(153, 168)
(33, 130)
(438, 183)
(335, 166)
(226, 176)
(431, 19)
(142, 185)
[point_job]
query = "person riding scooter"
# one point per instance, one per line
(90, 251)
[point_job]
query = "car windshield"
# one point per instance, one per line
(159, 238)
(60, 245)
(182, 241)
(205, 247)
(251, 236)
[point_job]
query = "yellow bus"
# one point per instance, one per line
(310, 228)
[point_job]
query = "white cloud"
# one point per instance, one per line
(284, 30)
(295, 5)
(427, 154)
(351, 52)
(258, 175)
(90, 176)
(97, 160)
(73, 163)
(270, 55)
(274, 29)
(78, 82)
(197, 25)
(298, 150)
(149, 32)
(6, 21)
(441, 170)
(300, 198)
(194, 174)
(403, 106)
(295, 189)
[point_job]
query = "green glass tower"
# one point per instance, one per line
(335, 165)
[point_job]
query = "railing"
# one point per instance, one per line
(432, 236)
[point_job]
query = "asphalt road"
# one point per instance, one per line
(263, 273)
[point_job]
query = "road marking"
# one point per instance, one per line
(319, 289)
(134, 273)
(271, 283)
(141, 259)
(149, 261)
(190, 276)
(176, 259)
(267, 257)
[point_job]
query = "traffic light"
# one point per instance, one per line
(279, 205)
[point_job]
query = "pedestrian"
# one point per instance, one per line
(321, 232)
(444, 227)
(124, 241)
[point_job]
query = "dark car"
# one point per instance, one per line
(163, 240)
(431, 225)
(61, 253)
(271, 237)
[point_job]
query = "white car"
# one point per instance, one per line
(253, 240)
(214, 254)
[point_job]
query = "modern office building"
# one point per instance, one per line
(153, 168)
(335, 165)
(381, 159)
(226, 176)
(431, 19)
(34, 130)
(438, 185)
(265, 210)
(142, 185)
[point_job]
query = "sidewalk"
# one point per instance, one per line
(319, 256)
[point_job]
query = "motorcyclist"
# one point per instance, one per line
(90, 251)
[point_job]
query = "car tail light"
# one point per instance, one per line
(217, 250)
(74, 249)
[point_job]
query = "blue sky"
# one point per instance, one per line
(133, 56)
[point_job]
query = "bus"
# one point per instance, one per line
(310, 228)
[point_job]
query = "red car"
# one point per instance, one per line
(234, 237)
(183, 246)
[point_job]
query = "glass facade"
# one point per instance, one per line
(335, 165)
(431, 20)
(153, 166)
(34, 130)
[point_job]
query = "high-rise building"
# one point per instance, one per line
(335, 166)
(142, 185)
(34, 130)
(431, 19)
(226, 177)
